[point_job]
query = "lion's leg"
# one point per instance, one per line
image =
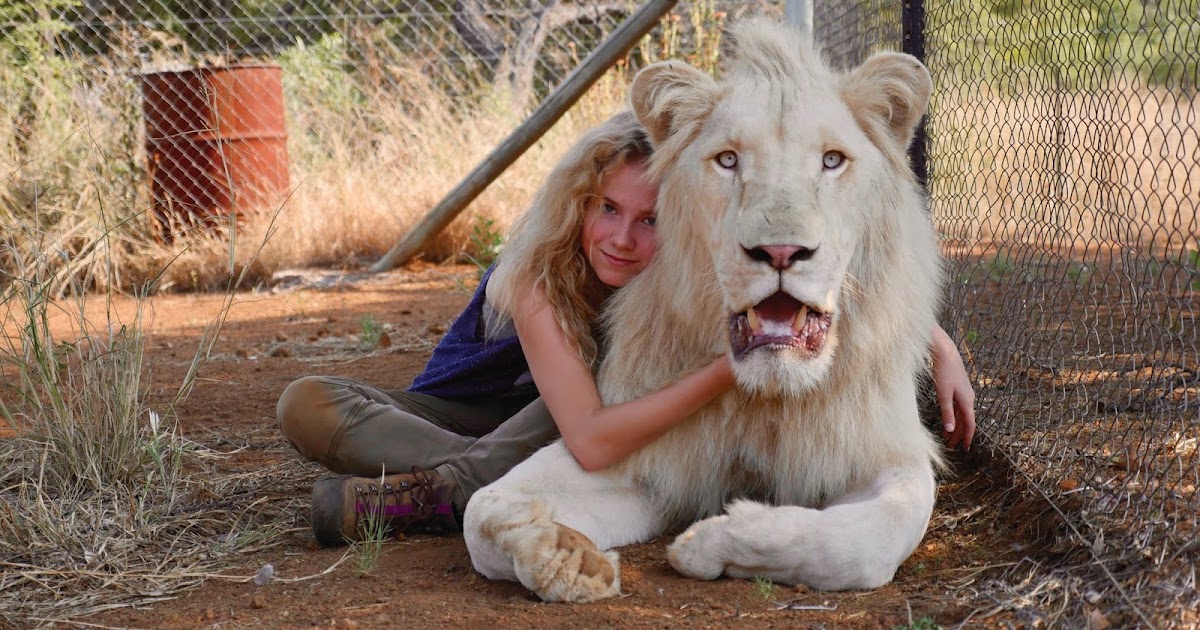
(546, 522)
(857, 542)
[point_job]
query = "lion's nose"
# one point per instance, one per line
(780, 256)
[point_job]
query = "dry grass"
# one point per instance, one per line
(357, 206)
(1087, 386)
(1079, 170)
(373, 144)
(68, 176)
(349, 210)
(103, 502)
(364, 168)
(100, 506)
(65, 556)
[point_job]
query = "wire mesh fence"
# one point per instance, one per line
(849, 31)
(1064, 179)
(371, 112)
(1062, 146)
(1063, 175)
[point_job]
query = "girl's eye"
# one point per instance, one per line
(608, 208)
(651, 221)
(727, 159)
(833, 159)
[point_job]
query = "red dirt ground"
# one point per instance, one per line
(313, 326)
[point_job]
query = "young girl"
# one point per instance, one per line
(417, 456)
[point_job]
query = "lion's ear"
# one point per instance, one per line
(667, 93)
(889, 89)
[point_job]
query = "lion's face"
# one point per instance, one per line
(787, 191)
(783, 167)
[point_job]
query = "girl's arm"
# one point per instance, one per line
(600, 436)
(955, 396)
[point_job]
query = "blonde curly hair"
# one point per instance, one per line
(544, 245)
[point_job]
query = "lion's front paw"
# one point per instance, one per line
(563, 565)
(699, 551)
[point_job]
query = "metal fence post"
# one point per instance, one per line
(799, 13)
(913, 25)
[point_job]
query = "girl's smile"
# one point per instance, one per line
(618, 230)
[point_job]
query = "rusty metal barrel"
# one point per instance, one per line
(216, 144)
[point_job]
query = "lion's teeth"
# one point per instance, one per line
(798, 323)
(752, 318)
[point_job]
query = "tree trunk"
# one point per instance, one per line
(515, 67)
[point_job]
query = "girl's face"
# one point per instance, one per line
(618, 227)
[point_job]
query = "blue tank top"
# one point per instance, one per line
(467, 364)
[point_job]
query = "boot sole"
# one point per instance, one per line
(327, 523)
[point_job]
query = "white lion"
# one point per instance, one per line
(791, 234)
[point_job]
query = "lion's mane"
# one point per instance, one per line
(796, 448)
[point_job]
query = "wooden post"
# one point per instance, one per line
(551, 109)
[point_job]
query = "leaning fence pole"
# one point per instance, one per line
(551, 109)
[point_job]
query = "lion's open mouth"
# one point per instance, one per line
(779, 322)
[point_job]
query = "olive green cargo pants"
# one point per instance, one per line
(349, 427)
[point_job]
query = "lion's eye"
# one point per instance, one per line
(833, 159)
(727, 159)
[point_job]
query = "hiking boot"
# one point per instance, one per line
(343, 506)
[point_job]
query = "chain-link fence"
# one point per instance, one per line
(361, 115)
(1063, 171)
(1062, 149)
(850, 31)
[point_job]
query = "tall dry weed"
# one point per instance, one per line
(368, 167)
(365, 167)
(100, 505)
(70, 173)
(373, 145)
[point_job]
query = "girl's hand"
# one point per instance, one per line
(955, 396)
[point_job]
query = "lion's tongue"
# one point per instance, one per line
(778, 321)
(776, 316)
